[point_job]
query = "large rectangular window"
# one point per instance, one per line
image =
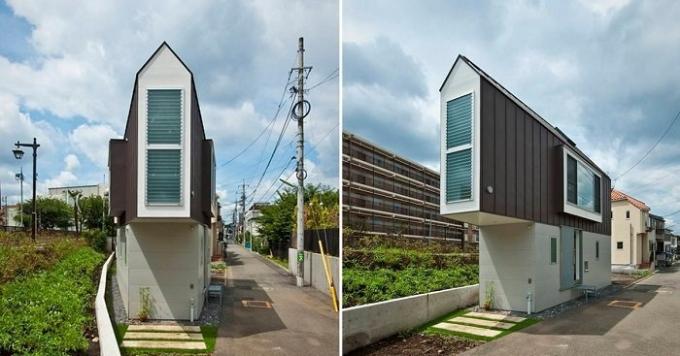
(164, 146)
(459, 121)
(583, 189)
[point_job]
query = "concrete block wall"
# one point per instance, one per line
(365, 324)
(314, 274)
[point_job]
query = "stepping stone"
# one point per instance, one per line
(480, 322)
(495, 316)
(174, 345)
(175, 328)
(472, 330)
(164, 336)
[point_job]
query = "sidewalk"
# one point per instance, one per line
(264, 313)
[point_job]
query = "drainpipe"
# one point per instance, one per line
(529, 303)
(192, 310)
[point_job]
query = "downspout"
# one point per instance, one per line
(192, 310)
(529, 302)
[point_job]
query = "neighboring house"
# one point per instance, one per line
(656, 232)
(9, 214)
(632, 225)
(254, 212)
(542, 205)
(85, 190)
(163, 193)
(387, 194)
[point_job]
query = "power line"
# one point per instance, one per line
(651, 148)
(276, 115)
(332, 75)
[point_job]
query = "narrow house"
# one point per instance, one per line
(633, 233)
(542, 206)
(163, 194)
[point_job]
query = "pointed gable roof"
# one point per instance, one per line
(557, 132)
(617, 195)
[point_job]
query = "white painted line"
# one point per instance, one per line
(480, 322)
(495, 316)
(468, 329)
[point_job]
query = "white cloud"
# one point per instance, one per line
(92, 141)
(72, 162)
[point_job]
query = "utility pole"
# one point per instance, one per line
(300, 114)
(243, 212)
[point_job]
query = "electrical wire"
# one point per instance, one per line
(332, 75)
(650, 149)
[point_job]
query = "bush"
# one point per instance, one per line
(362, 286)
(48, 313)
(19, 257)
(398, 258)
(96, 239)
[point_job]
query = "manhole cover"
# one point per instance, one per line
(625, 304)
(256, 304)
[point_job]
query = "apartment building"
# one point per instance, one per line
(85, 191)
(386, 194)
(541, 204)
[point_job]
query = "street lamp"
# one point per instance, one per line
(18, 154)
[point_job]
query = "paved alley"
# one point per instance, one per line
(264, 313)
(640, 320)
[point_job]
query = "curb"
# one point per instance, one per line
(640, 279)
(270, 261)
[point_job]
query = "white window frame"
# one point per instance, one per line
(164, 146)
(569, 207)
(470, 146)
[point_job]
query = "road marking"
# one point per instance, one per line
(256, 304)
(495, 316)
(467, 329)
(625, 304)
(480, 322)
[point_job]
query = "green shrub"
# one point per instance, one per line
(96, 239)
(47, 313)
(19, 257)
(398, 259)
(363, 286)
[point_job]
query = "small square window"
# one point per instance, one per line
(619, 245)
(627, 214)
(553, 250)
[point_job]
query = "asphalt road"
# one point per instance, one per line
(277, 318)
(650, 328)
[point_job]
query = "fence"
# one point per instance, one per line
(329, 237)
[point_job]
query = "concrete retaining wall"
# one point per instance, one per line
(108, 345)
(314, 274)
(365, 324)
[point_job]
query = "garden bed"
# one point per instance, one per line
(384, 273)
(49, 310)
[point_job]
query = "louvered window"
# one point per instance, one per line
(164, 147)
(459, 148)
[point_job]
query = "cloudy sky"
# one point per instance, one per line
(67, 69)
(606, 72)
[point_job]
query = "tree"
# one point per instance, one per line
(52, 213)
(92, 210)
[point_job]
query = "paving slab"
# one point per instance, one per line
(467, 329)
(480, 322)
(173, 345)
(162, 335)
(495, 316)
(175, 328)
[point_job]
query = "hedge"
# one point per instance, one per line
(398, 259)
(48, 312)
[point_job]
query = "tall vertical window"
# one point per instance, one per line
(459, 148)
(164, 150)
(553, 250)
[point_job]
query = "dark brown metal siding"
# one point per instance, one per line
(198, 200)
(207, 183)
(521, 160)
(118, 169)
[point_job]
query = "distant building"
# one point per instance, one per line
(633, 232)
(254, 212)
(85, 190)
(8, 214)
(386, 194)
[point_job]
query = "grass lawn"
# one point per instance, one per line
(428, 328)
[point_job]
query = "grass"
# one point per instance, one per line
(428, 328)
(279, 261)
(209, 333)
(642, 273)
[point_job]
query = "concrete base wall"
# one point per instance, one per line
(365, 324)
(514, 260)
(314, 274)
(172, 261)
